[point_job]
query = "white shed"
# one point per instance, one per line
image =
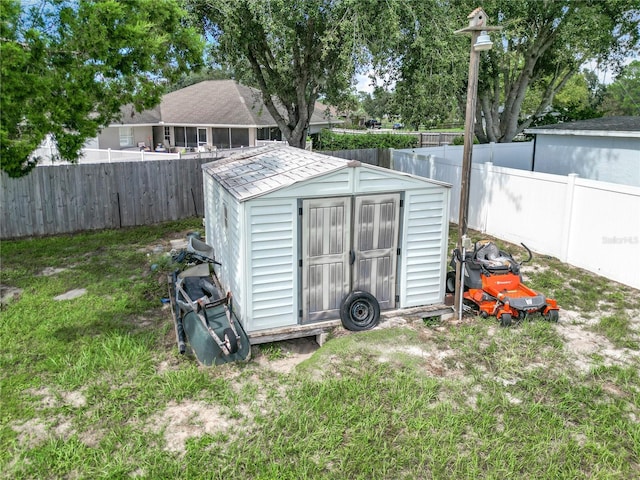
(297, 231)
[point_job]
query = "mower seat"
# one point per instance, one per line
(490, 257)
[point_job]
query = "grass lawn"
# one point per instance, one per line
(93, 386)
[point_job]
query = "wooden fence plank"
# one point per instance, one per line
(56, 199)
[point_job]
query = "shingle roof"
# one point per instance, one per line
(269, 168)
(603, 125)
(222, 103)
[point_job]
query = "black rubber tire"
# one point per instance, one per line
(553, 316)
(229, 338)
(450, 283)
(505, 320)
(359, 311)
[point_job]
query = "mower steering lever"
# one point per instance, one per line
(529, 252)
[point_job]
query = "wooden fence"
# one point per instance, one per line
(69, 198)
(371, 156)
(56, 199)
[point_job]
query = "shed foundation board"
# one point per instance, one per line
(287, 333)
(320, 329)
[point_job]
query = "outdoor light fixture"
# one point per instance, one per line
(480, 41)
(483, 42)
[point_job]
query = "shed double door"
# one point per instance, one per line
(348, 244)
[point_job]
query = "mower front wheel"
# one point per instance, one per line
(552, 316)
(505, 320)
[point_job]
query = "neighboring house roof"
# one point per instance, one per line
(594, 127)
(266, 169)
(224, 103)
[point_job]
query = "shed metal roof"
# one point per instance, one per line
(266, 169)
(269, 168)
(628, 126)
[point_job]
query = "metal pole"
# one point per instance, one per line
(472, 97)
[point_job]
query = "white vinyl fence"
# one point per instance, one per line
(590, 224)
(512, 155)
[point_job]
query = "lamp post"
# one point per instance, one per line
(480, 41)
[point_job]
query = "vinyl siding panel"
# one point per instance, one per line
(225, 236)
(272, 267)
(332, 184)
(422, 260)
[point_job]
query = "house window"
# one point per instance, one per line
(186, 136)
(239, 137)
(220, 137)
(126, 136)
(269, 133)
(275, 134)
(167, 136)
(202, 136)
(263, 133)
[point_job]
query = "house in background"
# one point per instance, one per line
(213, 113)
(605, 149)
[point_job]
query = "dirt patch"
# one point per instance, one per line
(32, 432)
(284, 356)
(9, 294)
(71, 294)
(588, 348)
(188, 419)
(50, 271)
(50, 399)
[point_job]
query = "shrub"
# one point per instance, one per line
(460, 140)
(328, 140)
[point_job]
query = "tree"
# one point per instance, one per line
(579, 99)
(623, 95)
(69, 66)
(292, 51)
(428, 63)
(297, 51)
(543, 44)
(378, 103)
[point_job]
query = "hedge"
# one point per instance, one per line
(328, 140)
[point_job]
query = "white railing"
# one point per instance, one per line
(94, 155)
(587, 223)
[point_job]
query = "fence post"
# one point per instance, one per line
(568, 217)
(487, 187)
(432, 167)
(109, 155)
(491, 144)
(142, 155)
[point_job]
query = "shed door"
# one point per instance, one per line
(339, 256)
(375, 246)
(325, 254)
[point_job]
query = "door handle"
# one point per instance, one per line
(352, 257)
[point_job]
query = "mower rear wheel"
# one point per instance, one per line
(553, 316)
(505, 320)
(450, 285)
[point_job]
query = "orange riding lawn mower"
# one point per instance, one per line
(493, 285)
